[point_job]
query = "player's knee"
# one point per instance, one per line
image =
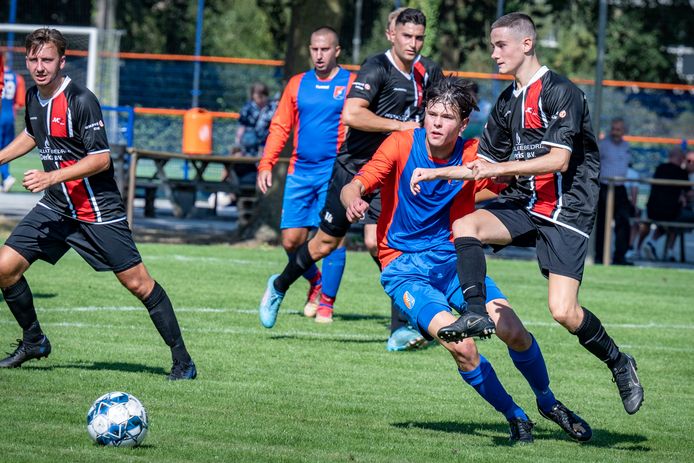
(513, 334)
(371, 245)
(139, 285)
(562, 310)
(465, 226)
(290, 244)
(464, 353)
(321, 247)
(9, 274)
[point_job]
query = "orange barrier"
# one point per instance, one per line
(355, 67)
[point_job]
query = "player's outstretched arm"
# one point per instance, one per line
(351, 198)
(21, 145)
(422, 174)
(38, 180)
(557, 160)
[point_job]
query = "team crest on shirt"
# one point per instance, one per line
(339, 92)
(408, 299)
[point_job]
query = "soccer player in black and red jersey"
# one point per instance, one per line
(81, 208)
(385, 97)
(540, 133)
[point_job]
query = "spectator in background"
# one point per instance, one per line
(687, 213)
(665, 204)
(13, 94)
(635, 212)
(254, 120)
(614, 162)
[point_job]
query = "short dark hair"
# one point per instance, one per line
(453, 91)
(411, 15)
(519, 22)
(40, 37)
(327, 30)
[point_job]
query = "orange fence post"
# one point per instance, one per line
(197, 131)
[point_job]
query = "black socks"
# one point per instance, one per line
(296, 267)
(21, 303)
(472, 270)
(592, 335)
(162, 314)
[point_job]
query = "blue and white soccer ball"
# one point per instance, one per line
(117, 419)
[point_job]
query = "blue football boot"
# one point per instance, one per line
(406, 338)
(270, 304)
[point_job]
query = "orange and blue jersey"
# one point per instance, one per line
(312, 108)
(409, 223)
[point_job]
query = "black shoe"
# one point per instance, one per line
(26, 351)
(628, 384)
(572, 424)
(468, 325)
(521, 431)
(182, 370)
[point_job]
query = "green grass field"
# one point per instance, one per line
(316, 393)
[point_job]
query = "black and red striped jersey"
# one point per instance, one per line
(392, 94)
(550, 111)
(66, 128)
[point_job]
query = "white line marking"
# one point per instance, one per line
(636, 326)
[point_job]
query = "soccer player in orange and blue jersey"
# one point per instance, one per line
(311, 105)
(415, 246)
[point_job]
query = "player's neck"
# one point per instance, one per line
(327, 75)
(526, 71)
(404, 66)
(47, 91)
(442, 152)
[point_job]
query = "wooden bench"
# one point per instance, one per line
(679, 228)
(182, 192)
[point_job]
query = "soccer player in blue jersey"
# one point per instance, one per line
(311, 105)
(81, 207)
(386, 96)
(540, 133)
(419, 260)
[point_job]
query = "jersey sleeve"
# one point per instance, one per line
(564, 105)
(89, 124)
(374, 172)
(368, 82)
(281, 125)
(496, 144)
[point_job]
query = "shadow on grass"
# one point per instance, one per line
(601, 437)
(336, 338)
(112, 366)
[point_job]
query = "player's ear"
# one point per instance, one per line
(62, 62)
(464, 123)
(337, 51)
(528, 45)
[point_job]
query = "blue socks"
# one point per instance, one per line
(333, 268)
(532, 365)
(487, 384)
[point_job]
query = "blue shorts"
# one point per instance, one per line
(425, 283)
(303, 200)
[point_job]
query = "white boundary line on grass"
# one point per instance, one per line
(657, 326)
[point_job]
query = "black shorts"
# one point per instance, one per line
(46, 235)
(560, 250)
(334, 215)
